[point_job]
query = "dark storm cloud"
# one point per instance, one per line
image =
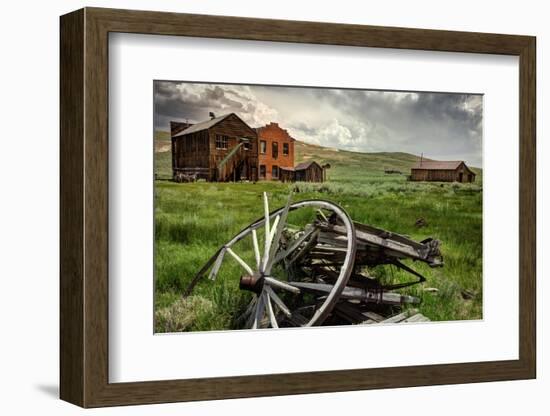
(440, 125)
(177, 101)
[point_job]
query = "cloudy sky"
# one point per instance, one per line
(440, 125)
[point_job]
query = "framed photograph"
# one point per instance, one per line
(254, 207)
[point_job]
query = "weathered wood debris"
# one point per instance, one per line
(318, 274)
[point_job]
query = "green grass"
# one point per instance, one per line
(193, 220)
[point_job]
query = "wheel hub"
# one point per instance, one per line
(253, 283)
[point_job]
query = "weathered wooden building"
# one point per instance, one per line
(276, 151)
(221, 149)
(304, 172)
(442, 171)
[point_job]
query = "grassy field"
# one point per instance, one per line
(193, 220)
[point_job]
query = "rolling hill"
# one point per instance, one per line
(342, 158)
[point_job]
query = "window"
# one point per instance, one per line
(262, 171)
(275, 172)
(221, 141)
(263, 147)
(285, 149)
(247, 144)
(275, 150)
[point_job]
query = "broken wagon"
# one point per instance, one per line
(307, 264)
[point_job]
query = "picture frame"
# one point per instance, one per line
(84, 217)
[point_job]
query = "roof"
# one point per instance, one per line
(204, 125)
(305, 165)
(438, 164)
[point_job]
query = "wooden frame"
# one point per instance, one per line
(84, 207)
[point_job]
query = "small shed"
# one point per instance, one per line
(442, 171)
(304, 172)
(309, 172)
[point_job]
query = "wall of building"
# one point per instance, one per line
(191, 151)
(273, 133)
(461, 174)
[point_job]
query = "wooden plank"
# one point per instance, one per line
(417, 318)
(282, 255)
(373, 316)
(387, 243)
(399, 317)
(298, 319)
(348, 312)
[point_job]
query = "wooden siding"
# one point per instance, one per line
(197, 153)
(461, 174)
(244, 162)
(190, 154)
(287, 175)
(313, 173)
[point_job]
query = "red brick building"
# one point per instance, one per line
(275, 151)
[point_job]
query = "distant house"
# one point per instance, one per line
(276, 151)
(442, 171)
(304, 172)
(220, 149)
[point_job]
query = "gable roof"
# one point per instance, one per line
(305, 165)
(203, 125)
(438, 164)
(177, 127)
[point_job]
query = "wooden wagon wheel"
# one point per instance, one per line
(271, 290)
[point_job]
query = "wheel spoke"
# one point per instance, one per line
(269, 242)
(274, 229)
(277, 235)
(270, 313)
(278, 301)
(256, 248)
(217, 265)
(259, 314)
(245, 266)
(247, 312)
(281, 285)
(322, 214)
(267, 228)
